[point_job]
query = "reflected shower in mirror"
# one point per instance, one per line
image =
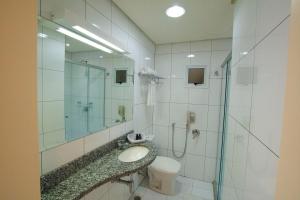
(81, 89)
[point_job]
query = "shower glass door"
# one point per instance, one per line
(223, 126)
(84, 99)
(96, 100)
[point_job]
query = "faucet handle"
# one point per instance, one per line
(122, 143)
(195, 133)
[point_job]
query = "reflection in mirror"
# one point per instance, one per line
(81, 89)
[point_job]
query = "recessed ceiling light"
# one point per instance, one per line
(244, 53)
(191, 56)
(42, 35)
(100, 56)
(67, 44)
(147, 58)
(175, 11)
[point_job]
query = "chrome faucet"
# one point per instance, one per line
(122, 144)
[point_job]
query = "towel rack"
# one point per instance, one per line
(150, 76)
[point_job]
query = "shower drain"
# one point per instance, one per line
(137, 198)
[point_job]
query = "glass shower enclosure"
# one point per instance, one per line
(218, 186)
(84, 99)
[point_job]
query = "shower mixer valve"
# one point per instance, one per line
(195, 133)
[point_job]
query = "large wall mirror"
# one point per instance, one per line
(81, 89)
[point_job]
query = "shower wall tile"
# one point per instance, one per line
(175, 97)
(163, 91)
(244, 27)
(183, 47)
(179, 91)
(179, 63)
(259, 157)
(213, 118)
(140, 90)
(40, 48)
(52, 85)
(201, 58)
(163, 49)
(161, 136)
(162, 114)
(53, 115)
(196, 146)
(54, 138)
(260, 38)
(241, 84)
(221, 45)
(211, 144)
(195, 167)
(215, 88)
(178, 114)
(179, 134)
(142, 118)
(40, 84)
(40, 117)
(198, 96)
(204, 45)
(163, 152)
(210, 169)
(116, 131)
(240, 159)
(163, 65)
(201, 112)
(268, 90)
(53, 54)
(217, 59)
(266, 21)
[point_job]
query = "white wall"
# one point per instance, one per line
(257, 85)
(50, 68)
(112, 22)
(175, 98)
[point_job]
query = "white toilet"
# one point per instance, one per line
(162, 175)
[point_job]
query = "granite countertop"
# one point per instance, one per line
(105, 169)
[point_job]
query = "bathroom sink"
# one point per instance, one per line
(133, 154)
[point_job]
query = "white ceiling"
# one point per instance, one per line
(204, 19)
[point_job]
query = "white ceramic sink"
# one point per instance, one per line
(133, 154)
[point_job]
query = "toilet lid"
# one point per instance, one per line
(165, 164)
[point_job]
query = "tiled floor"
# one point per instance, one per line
(188, 189)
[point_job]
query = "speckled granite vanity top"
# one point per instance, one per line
(103, 169)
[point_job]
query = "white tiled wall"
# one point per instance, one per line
(256, 99)
(50, 88)
(175, 98)
(55, 157)
(110, 21)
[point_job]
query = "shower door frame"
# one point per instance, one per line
(226, 65)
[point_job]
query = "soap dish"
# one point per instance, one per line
(132, 138)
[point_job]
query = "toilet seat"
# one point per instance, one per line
(166, 165)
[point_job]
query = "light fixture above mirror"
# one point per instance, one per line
(83, 39)
(96, 37)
